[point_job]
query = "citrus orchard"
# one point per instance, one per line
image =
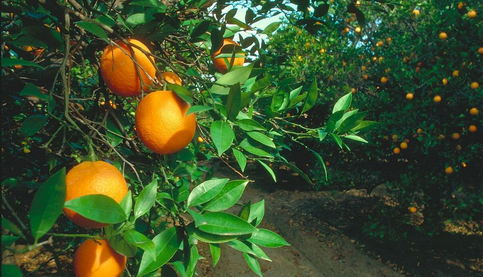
(88, 178)
(162, 124)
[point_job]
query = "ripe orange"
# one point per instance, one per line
(437, 99)
(220, 64)
(172, 78)
(88, 178)
(388, 39)
(445, 81)
(443, 36)
(474, 85)
(365, 76)
(397, 150)
(473, 111)
(448, 170)
(404, 145)
(98, 259)
(384, 80)
(353, 90)
(460, 5)
(456, 73)
(455, 136)
(358, 29)
(418, 69)
(409, 96)
(200, 139)
(472, 14)
(472, 128)
(412, 209)
(162, 124)
(121, 74)
(34, 51)
(419, 131)
(364, 68)
(416, 12)
(480, 50)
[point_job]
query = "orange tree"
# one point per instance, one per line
(416, 67)
(98, 92)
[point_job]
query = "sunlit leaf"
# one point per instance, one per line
(146, 199)
(225, 224)
(97, 207)
(227, 197)
(205, 191)
(92, 28)
(267, 238)
(222, 136)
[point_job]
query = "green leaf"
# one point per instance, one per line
(257, 212)
(11, 270)
(7, 224)
(364, 126)
(253, 263)
(322, 134)
(8, 62)
(321, 162)
(120, 245)
(140, 18)
(198, 109)
(32, 90)
(269, 170)
(225, 224)
(47, 204)
(126, 203)
(113, 134)
(135, 238)
(193, 258)
(228, 196)
(200, 28)
(333, 119)
(271, 28)
(262, 138)
(233, 102)
(248, 125)
(240, 158)
(351, 122)
(237, 76)
(93, 28)
(7, 241)
(337, 139)
(250, 248)
(311, 98)
(32, 124)
(205, 191)
(245, 144)
(222, 136)
(215, 251)
(207, 237)
(267, 238)
(343, 103)
(300, 172)
(146, 199)
(159, 6)
(356, 138)
(166, 245)
(182, 92)
(97, 207)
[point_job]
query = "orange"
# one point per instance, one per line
(443, 36)
(473, 111)
(416, 12)
(472, 14)
(418, 69)
(404, 145)
(474, 85)
(419, 131)
(98, 259)
(364, 68)
(480, 50)
(353, 90)
(448, 170)
(121, 74)
(460, 5)
(455, 136)
(34, 51)
(220, 64)
(162, 124)
(384, 80)
(409, 96)
(365, 76)
(358, 29)
(472, 128)
(397, 150)
(172, 78)
(456, 73)
(445, 81)
(388, 39)
(88, 178)
(437, 99)
(412, 209)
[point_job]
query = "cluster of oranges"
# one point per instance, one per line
(162, 126)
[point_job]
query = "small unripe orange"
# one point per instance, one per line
(397, 150)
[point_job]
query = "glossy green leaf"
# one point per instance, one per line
(140, 18)
(8, 240)
(225, 224)
(146, 199)
(269, 170)
(215, 251)
(233, 102)
(205, 191)
(249, 248)
(200, 28)
(262, 138)
(32, 90)
(126, 203)
(166, 244)
(97, 207)
(364, 126)
(271, 28)
(351, 122)
(182, 92)
(236, 76)
(311, 98)
(248, 125)
(321, 162)
(228, 196)
(11, 270)
(257, 212)
(198, 109)
(337, 139)
(222, 136)
(267, 238)
(138, 239)
(47, 204)
(122, 246)
(7, 224)
(8, 62)
(241, 159)
(92, 28)
(113, 134)
(194, 256)
(207, 237)
(246, 145)
(356, 138)
(343, 103)
(253, 263)
(32, 124)
(299, 172)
